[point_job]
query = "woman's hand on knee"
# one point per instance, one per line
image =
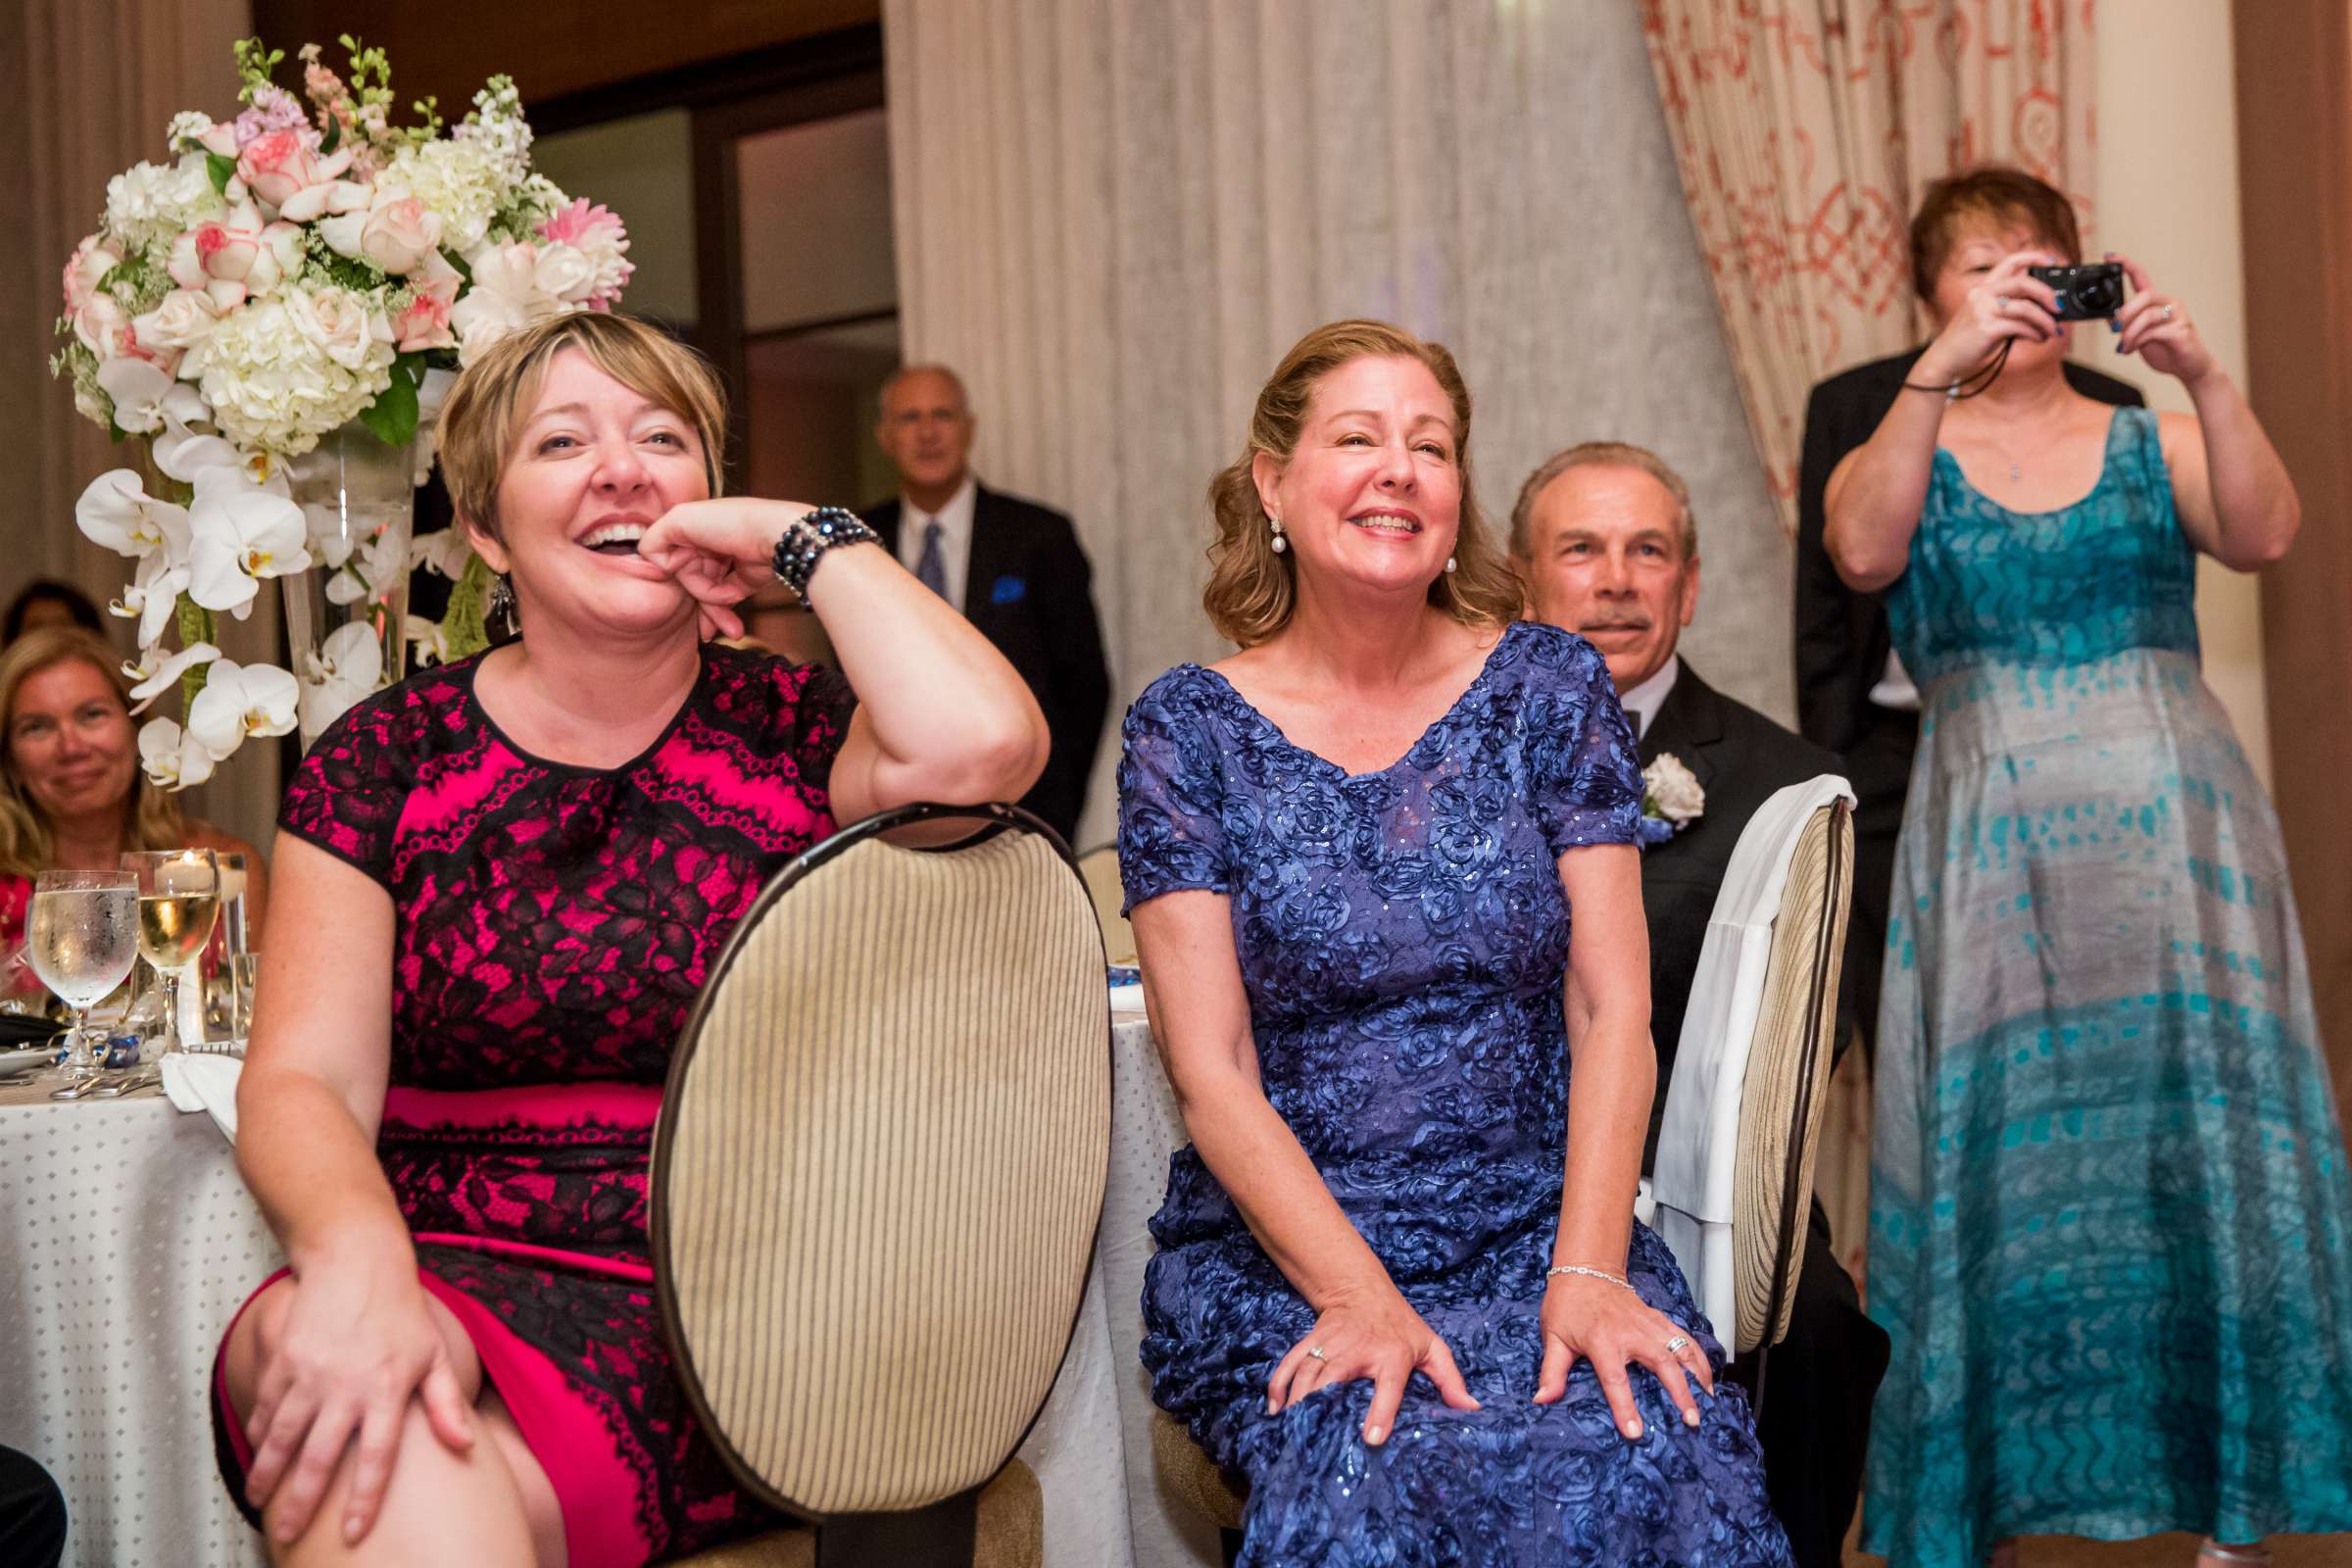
(354, 1345)
(1376, 1336)
(1587, 1319)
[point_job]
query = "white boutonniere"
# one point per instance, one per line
(1671, 799)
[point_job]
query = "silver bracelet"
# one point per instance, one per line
(1589, 1273)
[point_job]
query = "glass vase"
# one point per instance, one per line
(357, 496)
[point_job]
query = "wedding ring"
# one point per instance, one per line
(1675, 1346)
(1318, 1353)
(2166, 313)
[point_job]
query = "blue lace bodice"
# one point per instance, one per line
(1987, 586)
(1401, 933)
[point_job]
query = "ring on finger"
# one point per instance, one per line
(1677, 1344)
(1318, 1353)
(2166, 313)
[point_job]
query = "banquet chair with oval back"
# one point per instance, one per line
(1101, 869)
(876, 1177)
(1743, 1109)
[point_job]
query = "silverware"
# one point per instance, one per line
(78, 1090)
(129, 1084)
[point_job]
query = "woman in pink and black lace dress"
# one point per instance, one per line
(499, 886)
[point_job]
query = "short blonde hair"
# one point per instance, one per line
(1603, 454)
(151, 817)
(492, 399)
(1251, 588)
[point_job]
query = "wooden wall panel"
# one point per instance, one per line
(2294, 118)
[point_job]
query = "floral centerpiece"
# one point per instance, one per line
(282, 292)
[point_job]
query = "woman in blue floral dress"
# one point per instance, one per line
(1399, 1289)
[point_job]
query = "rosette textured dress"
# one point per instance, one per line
(2109, 1202)
(1404, 939)
(553, 926)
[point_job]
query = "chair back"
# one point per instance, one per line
(880, 1161)
(1787, 1078)
(1101, 869)
(1736, 1146)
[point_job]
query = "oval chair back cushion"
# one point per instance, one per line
(879, 1165)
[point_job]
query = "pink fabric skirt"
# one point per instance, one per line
(528, 1211)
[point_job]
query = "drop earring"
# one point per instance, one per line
(1281, 542)
(1449, 562)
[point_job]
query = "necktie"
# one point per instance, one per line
(932, 569)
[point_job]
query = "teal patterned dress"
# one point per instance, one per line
(2109, 1200)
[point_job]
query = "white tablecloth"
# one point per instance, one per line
(127, 1244)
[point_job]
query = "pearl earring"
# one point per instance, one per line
(1280, 542)
(1449, 563)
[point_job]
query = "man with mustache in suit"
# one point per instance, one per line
(1605, 538)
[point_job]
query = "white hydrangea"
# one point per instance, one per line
(186, 129)
(497, 128)
(462, 180)
(283, 371)
(150, 202)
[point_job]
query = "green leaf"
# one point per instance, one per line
(393, 413)
(197, 625)
(462, 632)
(223, 168)
(334, 134)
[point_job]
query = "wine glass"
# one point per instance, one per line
(82, 937)
(179, 899)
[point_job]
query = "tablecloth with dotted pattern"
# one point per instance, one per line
(127, 1244)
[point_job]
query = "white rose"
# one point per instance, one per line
(1669, 790)
(563, 271)
(400, 234)
(340, 323)
(186, 318)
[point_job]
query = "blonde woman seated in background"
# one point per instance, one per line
(72, 795)
(500, 885)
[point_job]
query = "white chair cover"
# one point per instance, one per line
(1698, 1141)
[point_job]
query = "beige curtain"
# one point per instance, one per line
(1804, 131)
(1113, 218)
(86, 87)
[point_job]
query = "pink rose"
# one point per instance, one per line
(581, 224)
(238, 249)
(85, 270)
(279, 165)
(105, 329)
(424, 325)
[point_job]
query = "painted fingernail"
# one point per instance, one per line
(1374, 1435)
(1633, 1429)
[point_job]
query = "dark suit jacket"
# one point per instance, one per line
(1739, 758)
(1028, 590)
(1842, 636)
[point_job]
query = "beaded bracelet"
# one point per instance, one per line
(1589, 1273)
(805, 540)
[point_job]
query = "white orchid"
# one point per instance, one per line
(145, 395)
(429, 640)
(240, 700)
(445, 551)
(182, 454)
(154, 593)
(173, 759)
(347, 667)
(154, 676)
(116, 512)
(242, 534)
(376, 570)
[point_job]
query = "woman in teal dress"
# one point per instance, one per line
(2109, 1195)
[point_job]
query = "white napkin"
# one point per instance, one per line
(208, 1083)
(1127, 1002)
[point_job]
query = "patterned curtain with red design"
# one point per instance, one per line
(1804, 131)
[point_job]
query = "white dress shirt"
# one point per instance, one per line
(955, 521)
(1643, 702)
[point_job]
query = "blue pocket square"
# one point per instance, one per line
(1007, 591)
